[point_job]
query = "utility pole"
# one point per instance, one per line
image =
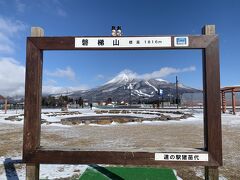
(130, 97)
(162, 101)
(177, 95)
(16, 107)
(158, 93)
(169, 96)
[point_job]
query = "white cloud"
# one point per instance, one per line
(54, 7)
(9, 30)
(61, 12)
(161, 73)
(10, 27)
(51, 86)
(100, 76)
(12, 74)
(51, 82)
(20, 6)
(6, 48)
(12, 77)
(59, 8)
(62, 73)
(51, 89)
(166, 71)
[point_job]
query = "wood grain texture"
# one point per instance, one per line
(68, 43)
(32, 108)
(33, 91)
(211, 173)
(212, 102)
(46, 156)
(32, 171)
(33, 153)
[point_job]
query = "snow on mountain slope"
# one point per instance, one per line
(151, 85)
(126, 82)
(110, 89)
(141, 94)
(183, 86)
(122, 77)
(162, 80)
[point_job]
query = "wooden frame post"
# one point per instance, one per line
(212, 104)
(34, 154)
(32, 109)
(211, 173)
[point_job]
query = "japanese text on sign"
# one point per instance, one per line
(181, 157)
(113, 42)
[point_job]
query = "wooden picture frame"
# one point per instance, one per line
(34, 154)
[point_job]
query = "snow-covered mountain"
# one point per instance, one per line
(123, 77)
(120, 87)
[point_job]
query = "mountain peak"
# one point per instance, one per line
(127, 76)
(123, 77)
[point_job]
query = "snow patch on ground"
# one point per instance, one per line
(175, 173)
(200, 173)
(59, 125)
(46, 171)
(222, 178)
(227, 119)
(63, 171)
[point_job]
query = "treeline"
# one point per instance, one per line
(61, 101)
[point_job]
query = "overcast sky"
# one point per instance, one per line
(72, 70)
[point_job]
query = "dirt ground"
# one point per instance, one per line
(131, 137)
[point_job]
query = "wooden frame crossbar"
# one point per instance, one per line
(34, 154)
